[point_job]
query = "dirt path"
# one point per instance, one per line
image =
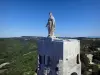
(4, 64)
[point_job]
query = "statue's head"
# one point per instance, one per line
(50, 13)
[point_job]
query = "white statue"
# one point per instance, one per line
(51, 25)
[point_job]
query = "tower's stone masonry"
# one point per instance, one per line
(58, 57)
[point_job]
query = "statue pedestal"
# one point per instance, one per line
(62, 57)
(52, 37)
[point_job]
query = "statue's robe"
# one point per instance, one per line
(51, 27)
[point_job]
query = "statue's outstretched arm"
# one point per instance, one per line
(47, 24)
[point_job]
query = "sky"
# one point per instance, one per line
(74, 18)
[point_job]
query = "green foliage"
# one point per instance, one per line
(22, 55)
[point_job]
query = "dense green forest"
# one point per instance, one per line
(20, 54)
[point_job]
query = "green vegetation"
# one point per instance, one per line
(21, 54)
(89, 46)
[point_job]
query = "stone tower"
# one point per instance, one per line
(59, 57)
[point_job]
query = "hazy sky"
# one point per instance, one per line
(29, 17)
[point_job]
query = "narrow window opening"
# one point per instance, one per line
(40, 59)
(77, 59)
(44, 59)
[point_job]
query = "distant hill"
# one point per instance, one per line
(93, 36)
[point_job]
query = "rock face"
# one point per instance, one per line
(59, 57)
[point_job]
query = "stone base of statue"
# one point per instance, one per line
(58, 56)
(51, 37)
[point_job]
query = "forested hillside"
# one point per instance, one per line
(18, 56)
